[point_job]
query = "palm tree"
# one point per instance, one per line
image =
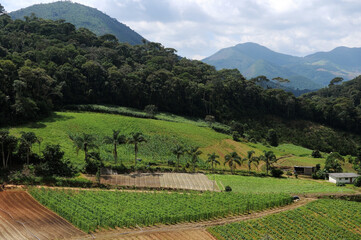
(178, 151)
(251, 159)
(194, 152)
(116, 139)
(269, 158)
(135, 139)
(232, 159)
(212, 158)
(83, 142)
(27, 139)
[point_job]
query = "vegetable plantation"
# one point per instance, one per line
(90, 210)
(322, 219)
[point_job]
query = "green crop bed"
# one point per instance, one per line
(322, 219)
(276, 185)
(90, 210)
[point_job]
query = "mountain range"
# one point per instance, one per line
(81, 16)
(310, 72)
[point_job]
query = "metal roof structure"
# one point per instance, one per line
(343, 175)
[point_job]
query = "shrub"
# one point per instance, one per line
(357, 182)
(236, 136)
(151, 110)
(228, 189)
(320, 174)
(340, 184)
(275, 172)
(316, 154)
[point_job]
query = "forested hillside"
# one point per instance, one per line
(47, 64)
(81, 16)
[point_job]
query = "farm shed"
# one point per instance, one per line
(304, 170)
(342, 177)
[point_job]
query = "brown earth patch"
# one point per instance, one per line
(22, 217)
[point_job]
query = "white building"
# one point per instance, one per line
(342, 177)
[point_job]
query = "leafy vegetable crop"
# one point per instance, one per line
(90, 210)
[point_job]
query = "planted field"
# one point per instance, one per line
(322, 219)
(91, 210)
(276, 185)
(21, 217)
(162, 137)
(195, 181)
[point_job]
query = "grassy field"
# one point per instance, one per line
(162, 136)
(322, 219)
(91, 210)
(275, 185)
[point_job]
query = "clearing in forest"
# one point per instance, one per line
(21, 217)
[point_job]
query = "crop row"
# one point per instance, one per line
(90, 210)
(322, 219)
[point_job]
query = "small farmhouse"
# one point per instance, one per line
(304, 170)
(342, 177)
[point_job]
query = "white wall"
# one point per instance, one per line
(340, 180)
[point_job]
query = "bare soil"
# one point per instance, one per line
(22, 217)
(189, 181)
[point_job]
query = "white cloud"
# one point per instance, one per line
(198, 28)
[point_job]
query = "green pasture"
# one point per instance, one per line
(248, 184)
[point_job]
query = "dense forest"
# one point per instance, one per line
(46, 65)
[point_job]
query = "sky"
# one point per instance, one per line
(199, 28)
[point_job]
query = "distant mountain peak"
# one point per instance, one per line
(81, 16)
(253, 59)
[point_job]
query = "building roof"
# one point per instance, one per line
(304, 166)
(343, 175)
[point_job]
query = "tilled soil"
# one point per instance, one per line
(189, 181)
(22, 217)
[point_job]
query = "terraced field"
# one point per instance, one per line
(21, 217)
(196, 181)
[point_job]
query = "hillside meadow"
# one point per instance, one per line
(162, 136)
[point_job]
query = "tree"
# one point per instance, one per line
(194, 152)
(333, 163)
(269, 158)
(2, 9)
(83, 142)
(335, 81)
(178, 151)
(251, 160)
(27, 140)
(116, 139)
(8, 144)
(316, 154)
(212, 159)
(53, 158)
(232, 159)
(272, 138)
(135, 139)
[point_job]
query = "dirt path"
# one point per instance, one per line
(190, 231)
